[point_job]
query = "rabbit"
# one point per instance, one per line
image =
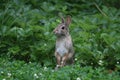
(64, 51)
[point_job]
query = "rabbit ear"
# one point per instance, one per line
(62, 20)
(68, 20)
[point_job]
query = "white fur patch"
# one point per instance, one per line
(61, 50)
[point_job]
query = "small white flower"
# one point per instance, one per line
(45, 44)
(3, 79)
(9, 74)
(52, 70)
(29, 62)
(117, 62)
(100, 62)
(91, 63)
(2, 72)
(35, 75)
(58, 65)
(78, 78)
(40, 74)
(75, 59)
(45, 68)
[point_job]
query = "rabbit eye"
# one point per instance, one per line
(63, 27)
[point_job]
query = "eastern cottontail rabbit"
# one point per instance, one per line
(64, 48)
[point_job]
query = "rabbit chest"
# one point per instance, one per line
(61, 47)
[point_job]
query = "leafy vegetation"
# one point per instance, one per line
(19, 70)
(27, 42)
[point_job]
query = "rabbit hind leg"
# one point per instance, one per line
(71, 58)
(64, 60)
(58, 57)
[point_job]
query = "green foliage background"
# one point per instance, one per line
(26, 31)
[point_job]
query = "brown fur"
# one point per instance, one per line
(64, 47)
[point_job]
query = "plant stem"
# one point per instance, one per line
(100, 10)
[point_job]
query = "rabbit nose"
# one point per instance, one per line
(55, 31)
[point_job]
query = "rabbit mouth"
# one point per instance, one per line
(59, 34)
